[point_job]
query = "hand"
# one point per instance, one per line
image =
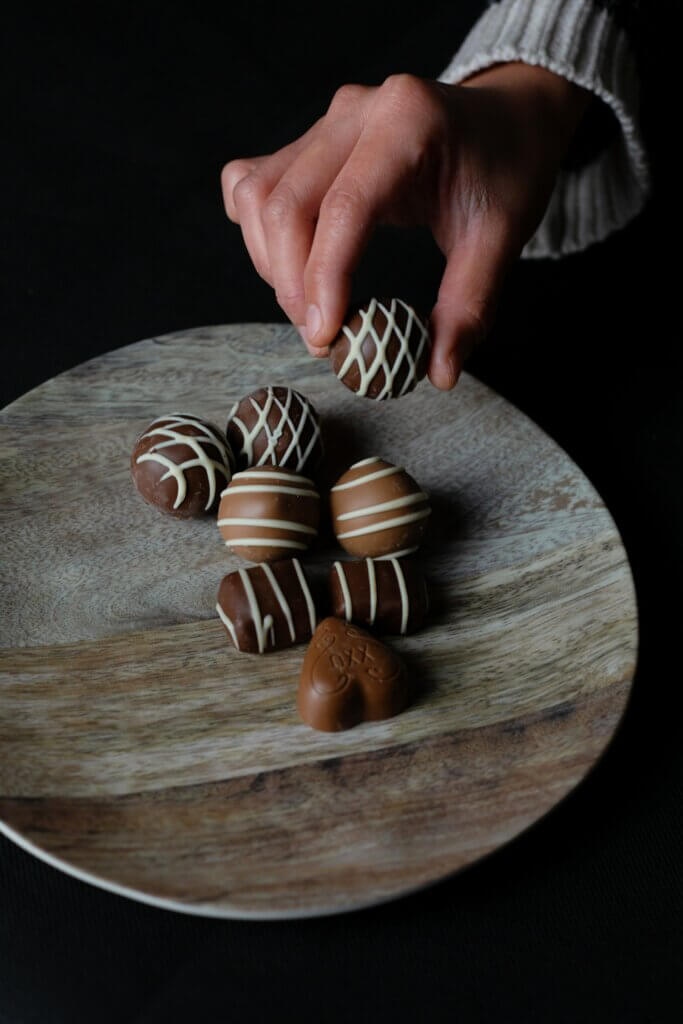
(475, 162)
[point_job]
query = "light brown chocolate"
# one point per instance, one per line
(388, 595)
(348, 676)
(382, 351)
(180, 464)
(378, 510)
(269, 513)
(265, 608)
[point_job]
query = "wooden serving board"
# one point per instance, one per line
(142, 753)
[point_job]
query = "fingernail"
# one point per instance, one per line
(302, 331)
(313, 321)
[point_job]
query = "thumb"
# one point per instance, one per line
(466, 303)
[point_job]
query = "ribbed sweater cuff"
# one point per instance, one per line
(582, 43)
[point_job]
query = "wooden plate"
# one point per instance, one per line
(142, 753)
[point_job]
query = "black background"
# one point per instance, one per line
(117, 126)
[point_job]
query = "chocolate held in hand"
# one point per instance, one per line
(275, 426)
(348, 676)
(269, 513)
(378, 510)
(265, 608)
(382, 350)
(389, 594)
(180, 464)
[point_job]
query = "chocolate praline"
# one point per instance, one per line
(275, 426)
(388, 595)
(349, 676)
(378, 510)
(269, 513)
(180, 464)
(266, 608)
(382, 351)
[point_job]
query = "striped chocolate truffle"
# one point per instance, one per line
(266, 514)
(389, 595)
(275, 426)
(382, 350)
(378, 510)
(265, 608)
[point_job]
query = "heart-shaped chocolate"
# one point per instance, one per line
(348, 676)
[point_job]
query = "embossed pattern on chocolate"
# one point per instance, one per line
(348, 676)
(180, 463)
(275, 426)
(378, 510)
(389, 594)
(265, 608)
(382, 351)
(266, 514)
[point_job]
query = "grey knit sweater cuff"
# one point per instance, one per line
(581, 42)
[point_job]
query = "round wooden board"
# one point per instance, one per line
(142, 753)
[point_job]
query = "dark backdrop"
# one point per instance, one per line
(117, 125)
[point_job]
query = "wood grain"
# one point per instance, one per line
(142, 753)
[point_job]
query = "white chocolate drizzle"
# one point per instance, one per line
(272, 524)
(387, 524)
(346, 593)
(403, 590)
(310, 606)
(229, 625)
(384, 506)
(196, 443)
(395, 554)
(264, 626)
(265, 542)
(295, 450)
(377, 475)
(372, 587)
(409, 351)
(287, 611)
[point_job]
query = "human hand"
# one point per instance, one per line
(475, 162)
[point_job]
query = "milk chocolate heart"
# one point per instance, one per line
(348, 676)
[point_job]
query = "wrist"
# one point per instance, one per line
(554, 104)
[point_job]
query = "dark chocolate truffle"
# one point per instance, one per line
(275, 426)
(348, 676)
(378, 510)
(266, 514)
(382, 350)
(180, 464)
(389, 595)
(265, 608)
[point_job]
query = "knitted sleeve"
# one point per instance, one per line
(588, 42)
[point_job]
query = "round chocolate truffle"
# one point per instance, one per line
(382, 350)
(275, 426)
(266, 514)
(388, 594)
(378, 510)
(180, 464)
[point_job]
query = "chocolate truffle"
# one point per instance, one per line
(265, 608)
(378, 510)
(389, 594)
(348, 676)
(275, 426)
(382, 350)
(180, 464)
(266, 514)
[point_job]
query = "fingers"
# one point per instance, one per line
(467, 298)
(246, 184)
(291, 210)
(387, 155)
